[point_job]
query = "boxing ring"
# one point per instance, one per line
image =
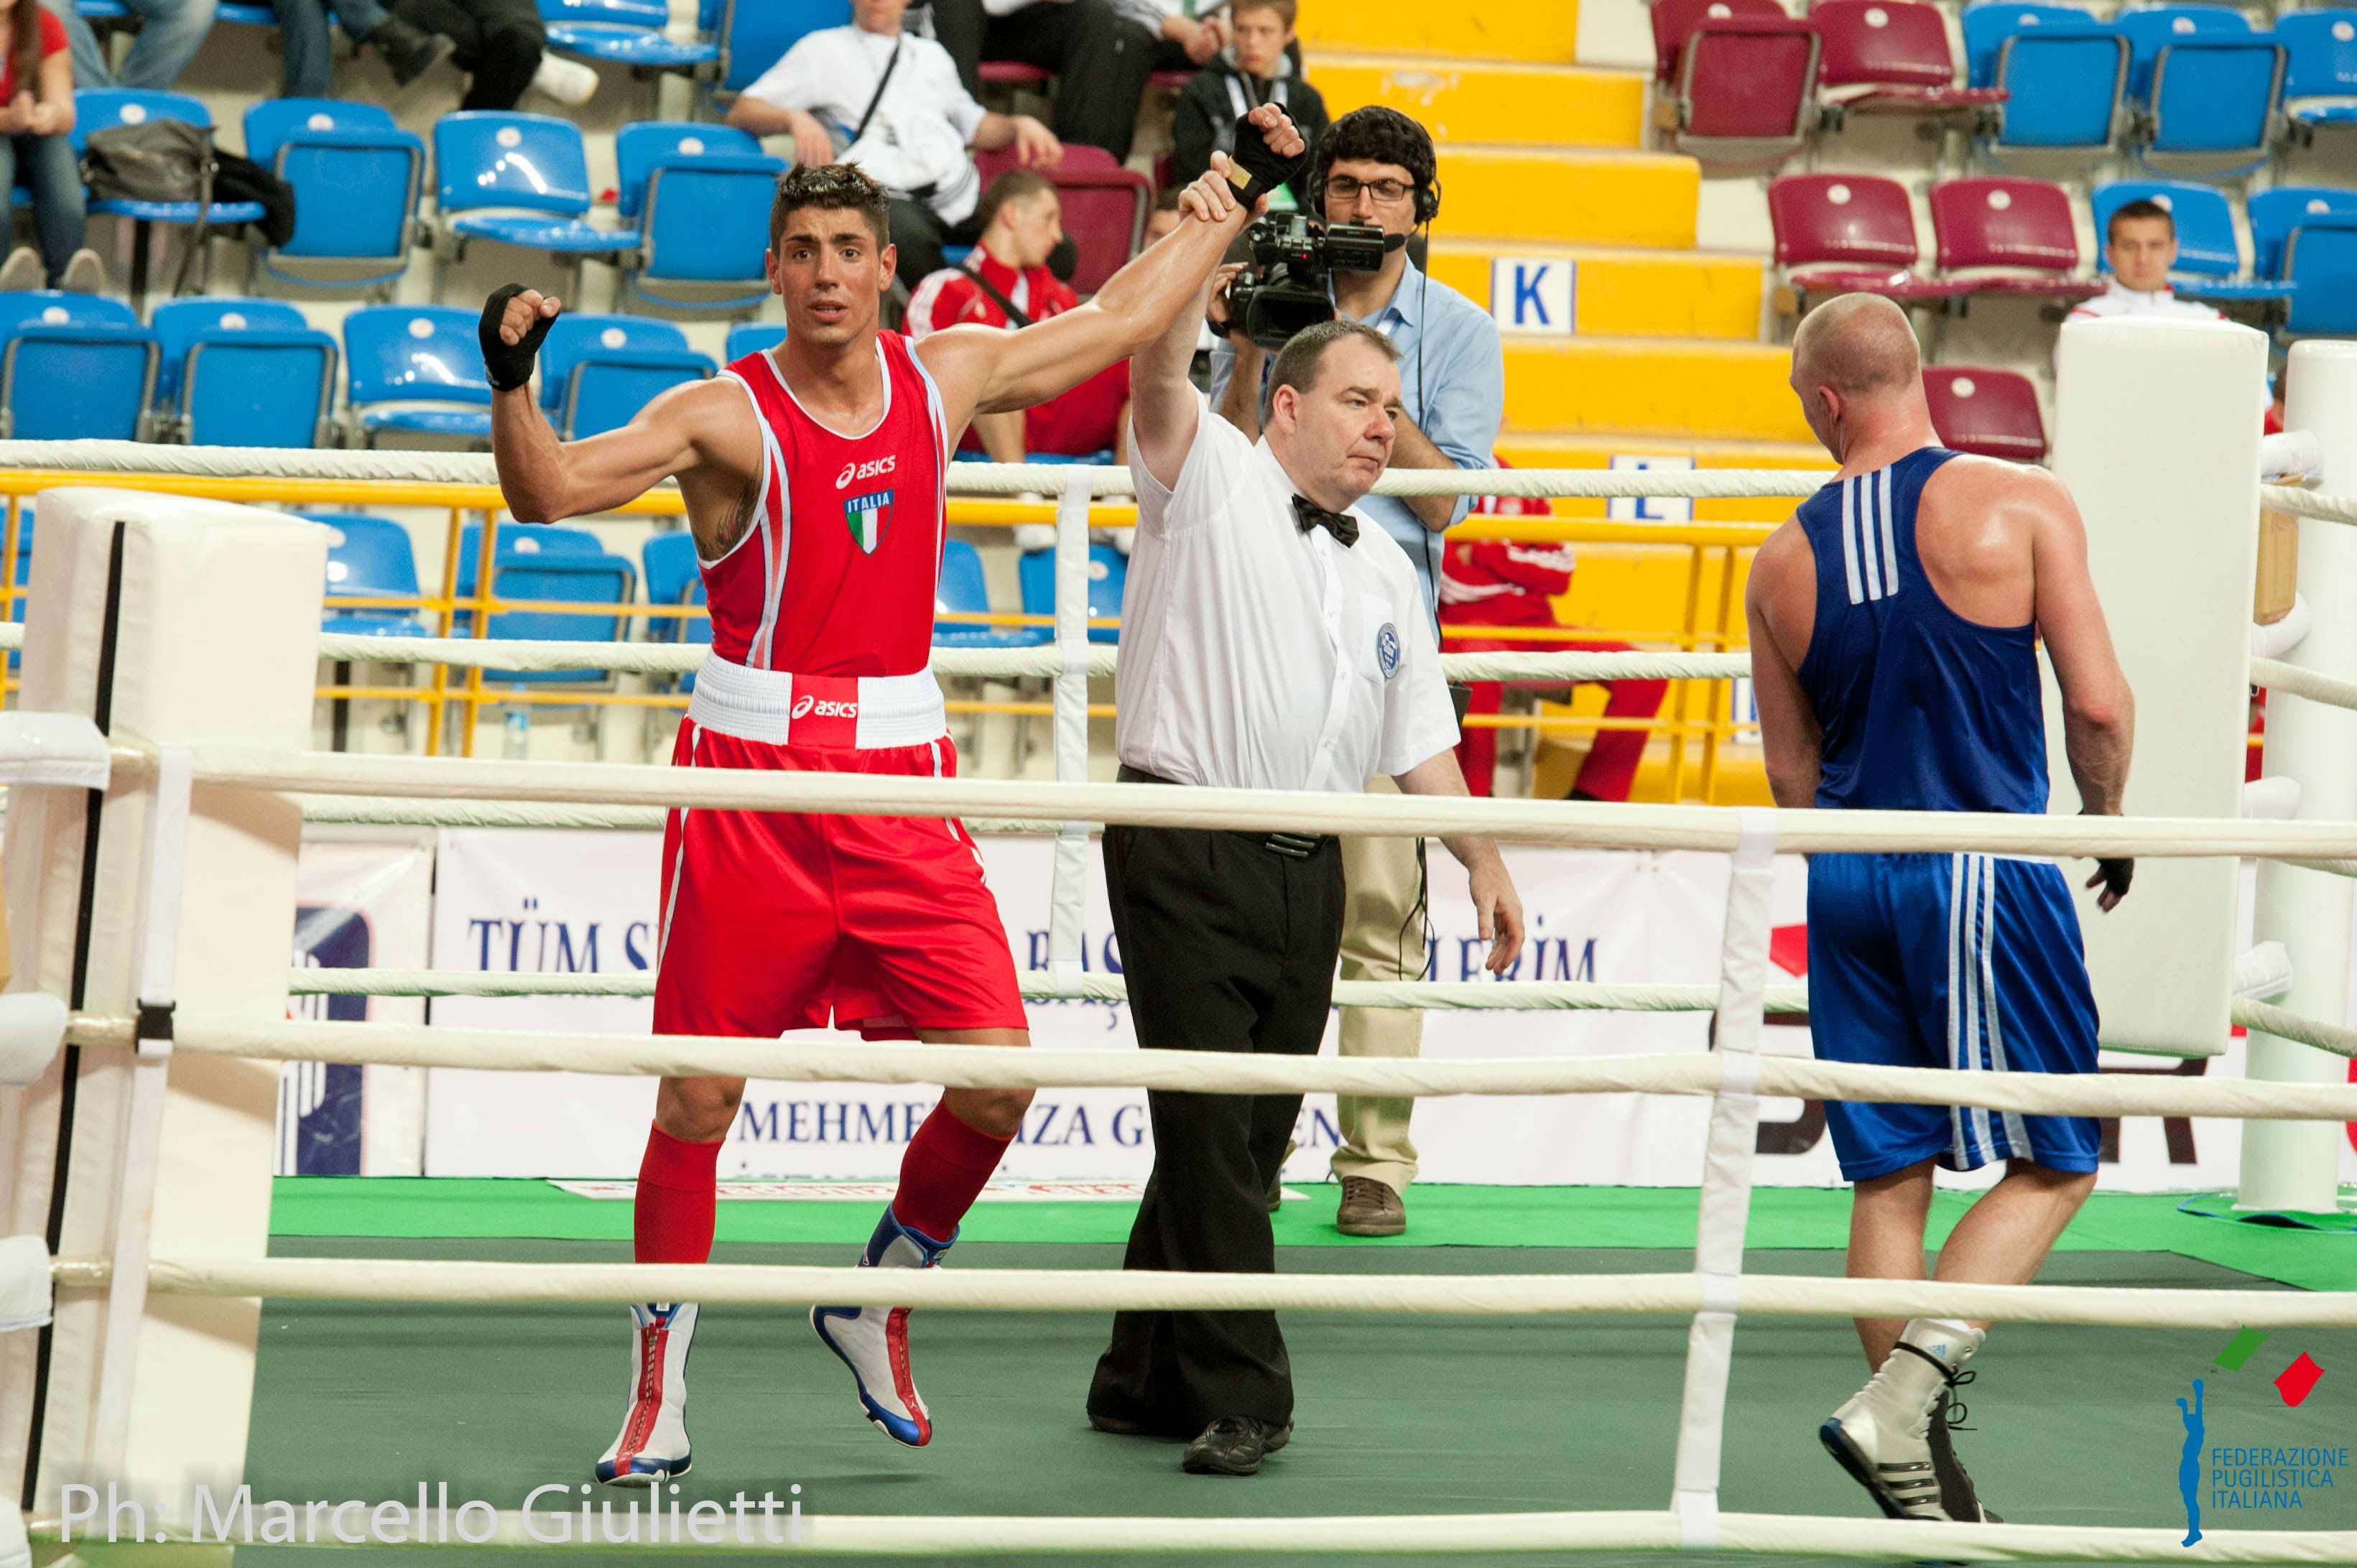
(134, 962)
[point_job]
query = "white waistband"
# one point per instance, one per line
(762, 704)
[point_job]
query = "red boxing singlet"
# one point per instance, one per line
(838, 575)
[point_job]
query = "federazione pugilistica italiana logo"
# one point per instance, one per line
(2230, 1479)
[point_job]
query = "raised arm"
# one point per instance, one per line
(700, 428)
(985, 370)
(1781, 597)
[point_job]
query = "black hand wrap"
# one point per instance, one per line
(2116, 875)
(1256, 169)
(508, 366)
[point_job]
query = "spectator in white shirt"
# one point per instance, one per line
(869, 94)
(2140, 243)
(1102, 52)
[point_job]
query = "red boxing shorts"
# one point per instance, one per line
(774, 920)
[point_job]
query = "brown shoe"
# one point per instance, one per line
(1369, 1207)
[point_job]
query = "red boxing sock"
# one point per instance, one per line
(942, 1173)
(671, 1221)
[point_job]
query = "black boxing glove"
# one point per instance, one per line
(1254, 168)
(2116, 875)
(508, 366)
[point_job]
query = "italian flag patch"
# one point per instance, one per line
(867, 516)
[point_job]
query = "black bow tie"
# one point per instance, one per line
(1342, 525)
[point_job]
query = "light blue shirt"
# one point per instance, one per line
(1452, 384)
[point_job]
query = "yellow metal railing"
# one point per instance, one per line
(1700, 719)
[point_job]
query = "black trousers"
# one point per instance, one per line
(498, 41)
(1226, 946)
(918, 236)
(1100, 58)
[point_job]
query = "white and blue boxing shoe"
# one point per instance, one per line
(653, 1442)
(874, 1341)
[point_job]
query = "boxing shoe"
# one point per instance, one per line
(653, 1441)
(1881, 1436)
(873, 1341)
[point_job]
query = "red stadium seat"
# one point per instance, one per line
(2008, 236)
(1675, 19)
(1105, 206)
(1746, 92)
(1011, 72)
(1891, 57)
(1848, 233)
(1992, 414)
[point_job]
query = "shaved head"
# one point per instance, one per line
(1855, 364)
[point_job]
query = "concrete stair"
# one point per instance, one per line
(1539, 32)
(1480, 100)
(1623, 290)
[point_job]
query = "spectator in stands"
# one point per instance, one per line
(1005, 281)
(1376, 165)
(37, 111)
(870, 94)
(1252, 70)
(407, 51)
(1078, 41)
(170, 33)
(2140, 243)
(502, 46)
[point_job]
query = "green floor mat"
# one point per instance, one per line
(1397, 1413)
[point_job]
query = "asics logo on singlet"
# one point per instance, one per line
(807, 707)
(863, 471)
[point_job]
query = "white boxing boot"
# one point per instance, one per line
(653, 1441)
(1882, 1435)
(874, 1341)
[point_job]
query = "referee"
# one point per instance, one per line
(1272, 638)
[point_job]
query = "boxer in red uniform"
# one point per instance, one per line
(814, 478)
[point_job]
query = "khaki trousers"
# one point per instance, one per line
(1382, 939)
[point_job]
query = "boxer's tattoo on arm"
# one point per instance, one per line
(735, 521)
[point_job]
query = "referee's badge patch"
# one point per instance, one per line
(867, 515)
(1387, 650)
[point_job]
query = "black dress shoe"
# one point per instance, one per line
(1120, 1426)
(1235, 1446)
(409, 52)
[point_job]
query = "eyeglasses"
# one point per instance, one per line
(1342, 188)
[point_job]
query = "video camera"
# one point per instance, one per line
(1285, 290)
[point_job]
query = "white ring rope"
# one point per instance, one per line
(1125, 1290)
(2309, 503)
(401, 811)
(1387, 1535)
(1593, 824)
(821, 1057)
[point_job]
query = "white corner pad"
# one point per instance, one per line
(52, 749)
(2274, 798)
(15, 1550)
(2263, 972)
(32, 1027)
(1697, 1520)
(2277, 640)
(23, 1290)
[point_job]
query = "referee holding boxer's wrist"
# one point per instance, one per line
(1272, 638)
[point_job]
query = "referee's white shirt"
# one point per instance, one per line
(1255, 656)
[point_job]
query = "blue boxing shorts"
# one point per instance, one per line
(1970, 961)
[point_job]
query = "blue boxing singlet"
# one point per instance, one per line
(1922, 710)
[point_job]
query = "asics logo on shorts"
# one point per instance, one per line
(852, 471)
(808, 707)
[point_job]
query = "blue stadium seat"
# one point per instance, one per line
(2276, 213)
(1987, 26)
(356, 178)
(74, 365)
(2150, 30)
(2321, 263)
(560, 575)
(96, 109)
(416, 367)
(598, 371)
(1108, 569)
(961, 591)
(2322, 66)
(2206, 253)
(517, 180)
(522, 539)
(672, 571)
(627, 32)
(367, 558)
(2067, 85)
(255, 373)
(699, 197)
(754, 337)
(756, 34)
(251, 15)
(2212, 103)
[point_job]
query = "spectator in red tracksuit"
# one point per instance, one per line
(1498, 582)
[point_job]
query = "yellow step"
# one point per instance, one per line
(1552, 105)
(1592, 197)
(1613, 291)
(1528, 449)
(1544, 31)
(1655, 386)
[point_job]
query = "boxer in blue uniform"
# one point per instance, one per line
(1895, 622)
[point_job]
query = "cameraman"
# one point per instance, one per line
(1375, 165)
